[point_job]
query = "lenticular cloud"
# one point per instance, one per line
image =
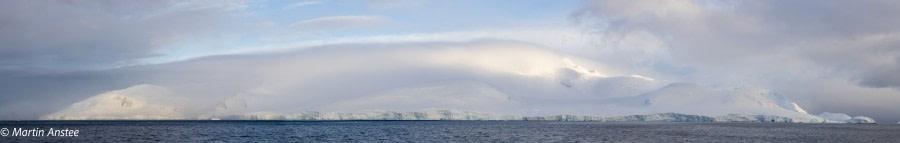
(496, 77)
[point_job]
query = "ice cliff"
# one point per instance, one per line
(467, 116)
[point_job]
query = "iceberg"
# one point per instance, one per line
(862, 120)
(844, 118)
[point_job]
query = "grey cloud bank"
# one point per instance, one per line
(85, 35)
(829, 55)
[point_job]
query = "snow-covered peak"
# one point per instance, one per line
(581, 71)
(797, 108)
(764, 98)
(784, 102)
(136, 102)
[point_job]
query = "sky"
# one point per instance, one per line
(515, 57)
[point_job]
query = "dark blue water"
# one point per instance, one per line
(451, 131)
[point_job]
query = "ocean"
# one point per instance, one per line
(440, 131)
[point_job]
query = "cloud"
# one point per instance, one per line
(493, 76)
(69, 87)
(822, 55)
(313, 79)
(62, 35)
(300, 4)
(333, 23)
(722, 33)
(395, 4)
(760, 43)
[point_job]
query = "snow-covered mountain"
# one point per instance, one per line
(476, 81)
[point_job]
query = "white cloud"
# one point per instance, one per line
(325, 24)
(563, 39)
(503, 77)
(395, 4)
(299, 4)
